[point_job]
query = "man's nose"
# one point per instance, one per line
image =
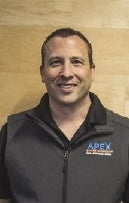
(66, 70)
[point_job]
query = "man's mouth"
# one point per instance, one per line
(67, 88)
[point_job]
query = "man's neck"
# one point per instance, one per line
(69, 117)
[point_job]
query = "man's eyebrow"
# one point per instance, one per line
(55, 57)
(78, 57)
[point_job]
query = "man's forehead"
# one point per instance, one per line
(59, 39)
(70, 41)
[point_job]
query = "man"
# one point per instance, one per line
(68, 149)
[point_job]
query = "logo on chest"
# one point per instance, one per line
(102, 148)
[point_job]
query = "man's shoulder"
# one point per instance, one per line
(117, 118)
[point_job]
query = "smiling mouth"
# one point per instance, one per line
(67, 86)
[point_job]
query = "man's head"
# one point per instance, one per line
(67, 68)
(64, 33)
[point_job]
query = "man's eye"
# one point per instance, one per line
(77, 62)
(55, 63)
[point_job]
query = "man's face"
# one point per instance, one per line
(67, 73)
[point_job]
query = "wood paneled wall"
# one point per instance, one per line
(24, 26)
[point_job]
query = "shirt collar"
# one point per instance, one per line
(96, 114)
(42, 111)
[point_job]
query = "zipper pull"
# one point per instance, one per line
(66, 154)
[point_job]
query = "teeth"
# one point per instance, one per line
(66, 86)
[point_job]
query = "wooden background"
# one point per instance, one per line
(24, 26)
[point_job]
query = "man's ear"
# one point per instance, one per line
(41, 73)
(93, 65)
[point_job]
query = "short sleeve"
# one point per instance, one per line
(5, 191)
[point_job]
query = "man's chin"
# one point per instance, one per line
(68, 102)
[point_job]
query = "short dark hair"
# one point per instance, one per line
(66, 32)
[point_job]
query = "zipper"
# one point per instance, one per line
(65, 175)
(66, 153)
(100, 130)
